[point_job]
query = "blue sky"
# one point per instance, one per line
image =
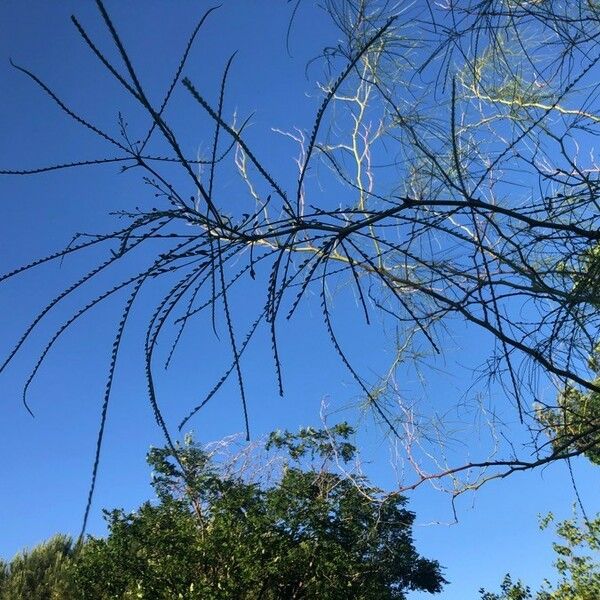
(47, 460)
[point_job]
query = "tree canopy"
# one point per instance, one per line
(573, 426)
(41, 574)
(577, 566)
(243, 528)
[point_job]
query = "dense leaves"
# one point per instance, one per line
(312, 534)
(41, 574)
(577, 566)
(574, 424)
(306, 531)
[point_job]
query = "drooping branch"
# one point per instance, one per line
(461, 188)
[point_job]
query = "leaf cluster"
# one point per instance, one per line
(312, 533)
(577, 565)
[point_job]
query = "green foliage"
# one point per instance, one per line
(578, 572)
(147, 554)
(310, 533)
(313, 533)
(575, 423)
(324, 443)
(508, 591)
(585, 276)
(41, 574)
(193, 476)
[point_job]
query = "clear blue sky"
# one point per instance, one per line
(46, 464)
